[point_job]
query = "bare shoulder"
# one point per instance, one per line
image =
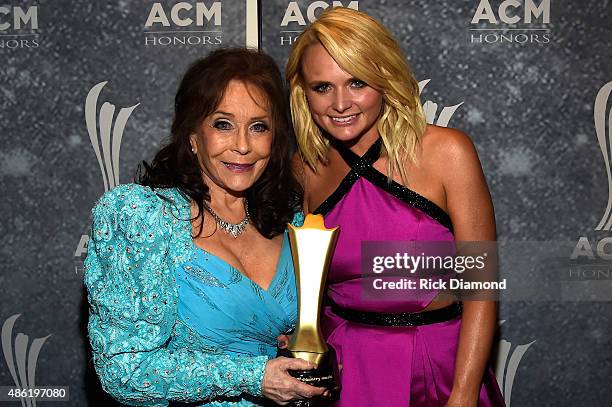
(297, 164)
(319, 182)
(449, 156)
(304, 175)
(448, 146)
(302, 170)
(299, 167)
(456, 164)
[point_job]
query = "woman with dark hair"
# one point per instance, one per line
(189, 272)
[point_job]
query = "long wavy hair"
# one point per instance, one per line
(276, 195)
(363, 47)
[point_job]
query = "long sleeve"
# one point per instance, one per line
(133, 309)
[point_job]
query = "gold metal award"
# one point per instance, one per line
(312, 246)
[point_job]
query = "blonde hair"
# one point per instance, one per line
(361, 46)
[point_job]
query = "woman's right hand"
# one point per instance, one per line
(279, 386)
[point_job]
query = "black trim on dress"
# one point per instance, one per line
(357, 164)
(362, 167)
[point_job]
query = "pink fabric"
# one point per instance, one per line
(388, 366)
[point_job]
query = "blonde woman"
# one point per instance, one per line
(360, 124)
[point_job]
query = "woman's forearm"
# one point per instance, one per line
(475, 341)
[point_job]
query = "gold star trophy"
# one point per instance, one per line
(312, 246)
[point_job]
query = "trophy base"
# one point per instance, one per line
(324, 375)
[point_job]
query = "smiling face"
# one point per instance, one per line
(343, 106)
(234, 142)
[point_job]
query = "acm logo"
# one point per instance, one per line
(512, 21)
(184, 23)
(601, 112)
(507, 362)
(105, 133)
(296, 18)
(21, 358)
(599, 250)
(431, 109)
(18, 26)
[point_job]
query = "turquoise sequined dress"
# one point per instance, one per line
(169, 321)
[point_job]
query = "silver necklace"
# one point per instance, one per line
(234, 229)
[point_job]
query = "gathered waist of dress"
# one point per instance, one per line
(235, 344)
(398, 319)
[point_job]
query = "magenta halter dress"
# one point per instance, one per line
(387, 366)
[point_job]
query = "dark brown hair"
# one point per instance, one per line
(276, 195)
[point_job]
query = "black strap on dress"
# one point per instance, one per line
(363, 167)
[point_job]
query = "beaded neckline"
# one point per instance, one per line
(363, 167)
